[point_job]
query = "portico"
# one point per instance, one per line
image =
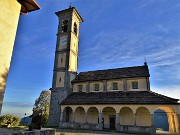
(129, 118)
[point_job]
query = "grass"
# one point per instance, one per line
(18, 127)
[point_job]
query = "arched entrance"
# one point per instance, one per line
(126, 116)
(92, 115)
(109, 117)
(143, 117)
(68, 114)
(161, 120)
(80, 115)
(172, 119)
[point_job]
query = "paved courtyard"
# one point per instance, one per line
(86, 132)
(5, 131)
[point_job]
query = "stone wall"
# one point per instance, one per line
(73, 125)
(134, 129)
(119, 128)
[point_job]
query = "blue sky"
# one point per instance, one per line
(115, 33)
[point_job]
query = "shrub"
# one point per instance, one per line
(9, 120)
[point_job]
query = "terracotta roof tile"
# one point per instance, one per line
(120, 97)
(128, 72)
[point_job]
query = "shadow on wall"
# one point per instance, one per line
(3, 78)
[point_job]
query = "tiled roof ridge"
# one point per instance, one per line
(112, 69)
(163, 96)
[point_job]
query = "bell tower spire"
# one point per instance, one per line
(66, 58)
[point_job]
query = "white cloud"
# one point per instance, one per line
(170, 91)
(18, 104)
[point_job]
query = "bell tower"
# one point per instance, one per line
(65, 63)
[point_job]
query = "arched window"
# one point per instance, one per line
(64, 26)
(75, 28)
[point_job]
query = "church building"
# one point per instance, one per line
(115, 99)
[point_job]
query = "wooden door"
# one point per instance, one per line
(112, 121)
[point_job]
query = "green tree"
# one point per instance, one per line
(9, 120)
(43, 103)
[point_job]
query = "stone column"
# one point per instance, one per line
(134, 119)
(117, 120)
(104, 85)
(85, 117)
(100, 121)
(124, 84)
(73, 113)
(153, 132)
(61, 119)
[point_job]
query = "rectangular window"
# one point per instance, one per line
(115, 86)
(135, 85)
(96, 87)
(61, 60)
(80, 87)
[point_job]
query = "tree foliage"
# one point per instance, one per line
(9, 120)
(43, 103)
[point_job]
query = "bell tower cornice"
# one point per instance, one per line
(67, 11)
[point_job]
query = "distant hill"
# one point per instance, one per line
(26, 120)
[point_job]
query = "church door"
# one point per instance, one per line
(112, 123)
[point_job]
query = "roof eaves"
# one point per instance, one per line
(28, 6)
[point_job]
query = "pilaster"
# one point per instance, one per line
(124, 84)
(105, 85)
(87, 87)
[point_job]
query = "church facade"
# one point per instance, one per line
(115, 99)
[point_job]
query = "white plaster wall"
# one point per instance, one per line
(126, 116)
(75, 19)
(91, 86)
(75, 87)
(72, 62)
(110, 87)
(9, 17)
(142, 85)
(79, 115)
(74, 44)
(143, 117)
(92, 115)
